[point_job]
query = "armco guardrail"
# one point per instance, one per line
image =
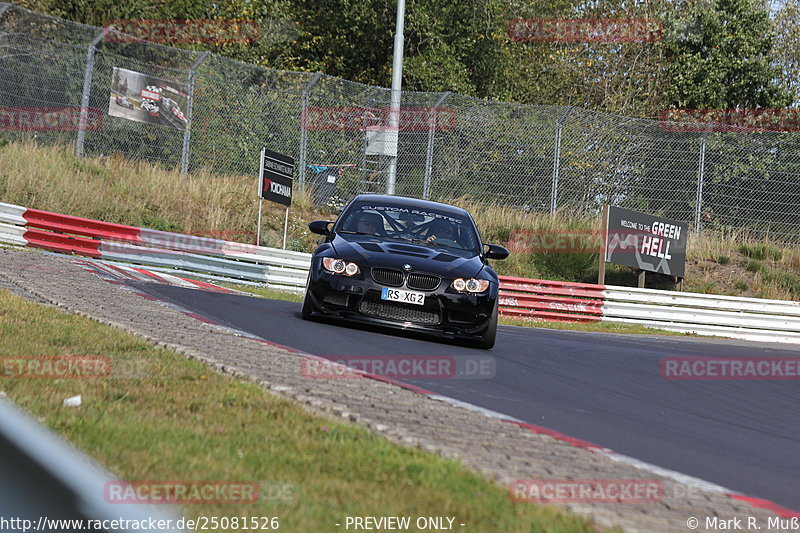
(705, 314)
(157, 249)
(537, 299)
(727, 316)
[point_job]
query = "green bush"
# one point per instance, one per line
(753, 266)
(761, 252)
(564, 266)
(786, 280)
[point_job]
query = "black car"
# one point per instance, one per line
(405, 263)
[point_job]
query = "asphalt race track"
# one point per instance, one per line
(606, 389)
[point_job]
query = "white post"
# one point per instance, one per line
(187, 131)
(557, 163)
(260, 199)
(285, 227)
(426, 187)
(698, 208)
(87, 87)
(301, 182)
(394, 107)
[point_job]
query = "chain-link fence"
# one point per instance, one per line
(539, 158)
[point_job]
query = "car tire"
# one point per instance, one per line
(490, 333)
(308, 305)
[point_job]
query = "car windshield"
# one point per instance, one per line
(413, 224)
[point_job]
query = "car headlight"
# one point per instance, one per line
(340, 266)
(470, 285)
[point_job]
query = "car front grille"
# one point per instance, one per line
(423, 282)
(388, 276)
(399, 312)
(416, 281)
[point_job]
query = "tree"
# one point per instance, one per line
(624, 74)
(448, 46)
(787, 47)
(725, 60)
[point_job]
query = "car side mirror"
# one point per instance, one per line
(320, 227)
(496, 252)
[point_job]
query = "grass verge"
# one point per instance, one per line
(176, 419)
(597, 327)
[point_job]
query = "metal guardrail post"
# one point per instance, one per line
(426, 188)
(301, 178)
(700, 177)
(557, 162)
(187, 132)
(87, 87)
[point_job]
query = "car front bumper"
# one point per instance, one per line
(445, 312)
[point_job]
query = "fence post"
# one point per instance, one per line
(426, 188)
(700, 177)
(556, 162)
(187, 131)
(87, 87)
(301, 178)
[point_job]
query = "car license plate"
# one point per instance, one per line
(408, 297)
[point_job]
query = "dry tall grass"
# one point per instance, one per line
(117, 190)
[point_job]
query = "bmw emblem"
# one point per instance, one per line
(406, 267)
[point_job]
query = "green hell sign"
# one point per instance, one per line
(646, 242)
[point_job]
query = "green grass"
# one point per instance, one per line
(596, 327)
(761, 252)
(723, 260)
(705, 288)
(786, 280)
(263, 292)
(176, 419)
(754, 266)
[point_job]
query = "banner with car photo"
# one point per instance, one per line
(144, 98)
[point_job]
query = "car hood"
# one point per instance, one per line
(447, 262)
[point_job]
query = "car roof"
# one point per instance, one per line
(411, 202)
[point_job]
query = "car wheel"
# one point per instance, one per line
(490, 333)
(308, 304)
